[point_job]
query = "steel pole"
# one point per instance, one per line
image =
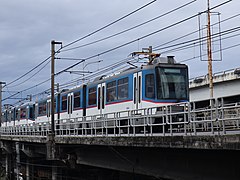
(52, 86)
(209, 49)
(1, 83)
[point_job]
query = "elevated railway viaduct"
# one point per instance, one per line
(203, 142)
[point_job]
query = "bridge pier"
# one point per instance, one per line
(8, 164)
(27, 169)
(7, 156)
(17, 161)
(54, 172)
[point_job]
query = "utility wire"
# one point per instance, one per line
(143, 37)
(120, 45)
(134, 27)
(79, 40)
(113, 66)
(104, 27)
(184, 47)
(26, 89)
(203, 38)
(99, 72)
(229, 47)
(28, 72)
(32, 75)
(108, 68)
(184, 36)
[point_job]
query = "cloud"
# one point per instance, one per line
(27, 28)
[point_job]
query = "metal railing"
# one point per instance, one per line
(181, 119)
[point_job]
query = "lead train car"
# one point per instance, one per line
(132, 89)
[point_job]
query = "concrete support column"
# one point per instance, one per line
(17, 160)
(54, 172)
(27, 170)
(7, 169)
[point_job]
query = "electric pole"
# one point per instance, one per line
(53, 43)
(209, 49)
(1, 83)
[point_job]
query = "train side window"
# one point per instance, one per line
(31, 112)
(23, 113)
(64, 103)
(17, 114)
(36, 110)
(12, 115)
(123, 88)
(92, 96)
(149, 86)
(9, 115)
(42, 108)
(111, 91)
(77, 100)
(3, 117)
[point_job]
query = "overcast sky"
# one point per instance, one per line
(27, 28)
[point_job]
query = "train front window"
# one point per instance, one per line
(172, 83)
(149, 86)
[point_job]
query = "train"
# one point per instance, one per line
(163, 81)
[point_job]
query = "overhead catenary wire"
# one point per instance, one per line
(143, 37)
(106, 69)
(99, 72)
(27, 89)
(196, 40)
(31, 70)
(108, 25)
(191, 33)
(111, 67)
(188, 46)
(223, 49)
(129, 29)
(139, 38)
(32, 75)
(25, 74)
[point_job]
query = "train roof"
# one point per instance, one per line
(159, 61)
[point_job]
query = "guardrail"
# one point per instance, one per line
(168, 120)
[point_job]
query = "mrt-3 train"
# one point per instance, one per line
(161, 82)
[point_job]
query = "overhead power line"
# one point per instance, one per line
(25, 74)
(129, 29)
(193, 44)
(196, 40)
(28, 72)
(31, 76)
(104, 27)
(107, 51)
(226, 48)
(197, 31)
(143, 37)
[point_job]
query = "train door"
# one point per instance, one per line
(48, 110)
(101, 98)
(13, 116)
(137, 90)
(70, 105)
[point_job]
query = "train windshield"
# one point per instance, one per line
(172, 83)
